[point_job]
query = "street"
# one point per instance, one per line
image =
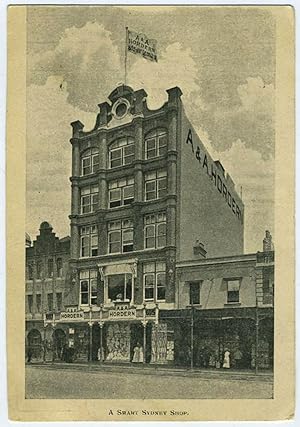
(61, 383)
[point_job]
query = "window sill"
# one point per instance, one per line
(194, 305)
(232, 304)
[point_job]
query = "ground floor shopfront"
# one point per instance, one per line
(123, 341)
(190, 338)
(202, 337)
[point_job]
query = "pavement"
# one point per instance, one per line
(160, 370)
(87, 381)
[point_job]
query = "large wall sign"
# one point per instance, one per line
(212, 173)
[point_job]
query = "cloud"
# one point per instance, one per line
(48, 154)
(251, 119)
(88, 61)
(175, 67)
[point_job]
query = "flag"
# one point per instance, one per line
(140, 44)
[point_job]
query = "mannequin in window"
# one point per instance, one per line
(119, 297)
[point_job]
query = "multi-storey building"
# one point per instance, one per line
(47, 266)
(144, 188)
(149, 205)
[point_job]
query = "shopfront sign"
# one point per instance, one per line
(122, 313)
(73, 315)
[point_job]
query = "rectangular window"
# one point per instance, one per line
(89, 199)
(155, 185)
(30, 303)
(194, 293)
(155, 230)
(50, 302)
(39, 269)
(30, 271)
(154, 281)
(88, 287)
(119, 287)
(59, 267)
(88, 241)
(120, 236)
(50, 267)
(121, 192)
(156, 144)
(268, 286)
(233, 291)
(38, 303)
(58, 301)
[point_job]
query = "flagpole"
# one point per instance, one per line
(125, 59)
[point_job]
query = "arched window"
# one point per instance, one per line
(121, 152)
(89, 161)
(156, 143)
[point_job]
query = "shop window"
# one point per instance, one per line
(89, 199)
(119, 287)
(121, 192)
(89, 241)
(59, 267)
(194, 288)
(50, 302)
(154, 281)
(30, 271)
(58, 301)
(121, 152)
(120, 236)
(268, 286)
(155, 230)
(90, 161)
(156, 144)
(30, 303)
(50, 267)
(233, 291)
(38, 303)
(155, 185)
(88, 287)
(39, 269)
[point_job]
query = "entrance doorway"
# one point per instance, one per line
(95, 341)
(137, 341)
(34, 347)
(59, 343)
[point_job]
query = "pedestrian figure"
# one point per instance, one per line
(29, 354)
(226, 362)
(238, 358)
(138, 354)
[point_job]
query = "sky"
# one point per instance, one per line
(222, 58)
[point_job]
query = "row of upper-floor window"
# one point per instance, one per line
(122, 152)
(233, 291)
(119, 287)
(120, 235)
(49, 302)
(42, 272)
(121, 191)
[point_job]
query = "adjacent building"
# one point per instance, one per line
(47, 268)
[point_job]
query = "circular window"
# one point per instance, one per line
(121, 109)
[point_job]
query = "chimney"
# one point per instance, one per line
(267, 242)
(199, 250)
